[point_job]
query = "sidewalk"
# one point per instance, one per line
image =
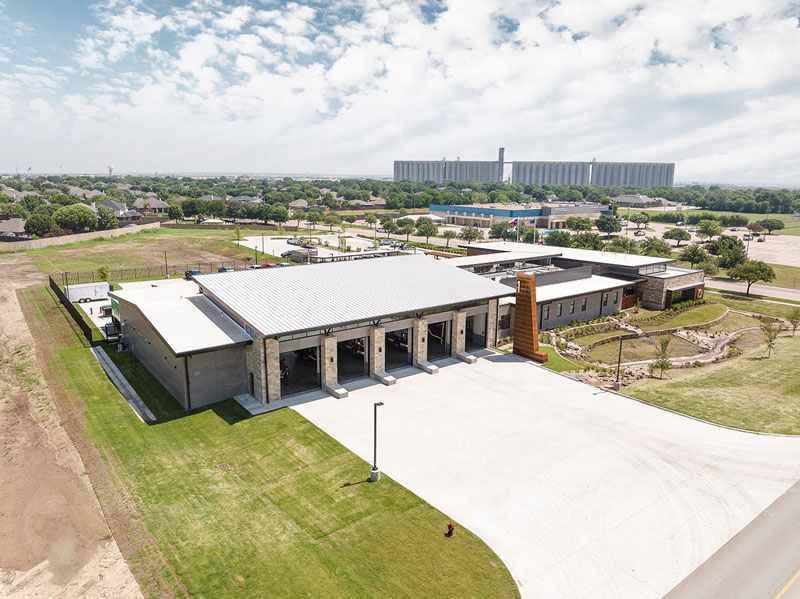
(756, 289)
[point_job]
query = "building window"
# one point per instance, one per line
(572, 307)
(605, 299)
(558, 310)
(583, 305)
(616, 297)
(505, 321)
(545, 312)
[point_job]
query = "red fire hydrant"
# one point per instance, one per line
(450, 529)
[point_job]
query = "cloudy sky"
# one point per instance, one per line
(348, 86)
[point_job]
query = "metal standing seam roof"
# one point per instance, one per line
(599, 257)
(593, 284)
(498, 258)
(188, 324)
(279, 301)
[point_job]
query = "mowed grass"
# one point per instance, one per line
(768, 308)
(734, 321)
(587, 339)
(692, 316)
(790, 221)
(260, 507)
(555, 362)
(641, 348)
(146, 248)
(751, 392)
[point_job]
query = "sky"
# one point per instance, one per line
(349, 86)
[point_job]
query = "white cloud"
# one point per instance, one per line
(351, 85)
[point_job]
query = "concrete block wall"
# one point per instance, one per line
(420, 341)
(458, 333)
(491, 323)
(329, 370)
(377, 350)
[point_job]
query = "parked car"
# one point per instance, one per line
(680, 223)
(734, 228)
(747, 237)
(382, 231)
(639, 234)
(188, 274)
(385, 242)
(294, 241)
(283, 264)
(286, 254)
(254, 267)
(224, 269)
(692, 229)
(761, 239)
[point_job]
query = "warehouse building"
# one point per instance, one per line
(636, 174)
(543, 215)
(551, 173)
(479, 171)
(267, 334)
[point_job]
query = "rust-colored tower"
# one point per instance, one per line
(526, 330)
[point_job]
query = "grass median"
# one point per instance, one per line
(255, 507)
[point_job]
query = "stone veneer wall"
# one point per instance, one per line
(654, 289)
(377, 350)
(420, 341)
(330, 366)
(256, 366)
(491, 323)
(273, 369)
(458, 333)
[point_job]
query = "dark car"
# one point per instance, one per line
(286, 254)
(224, 269)
(188, 274)
(761, 239)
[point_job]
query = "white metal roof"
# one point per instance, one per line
(593, 284)
(612, 258)
(495, 258)
(278, 301)
(185, 320)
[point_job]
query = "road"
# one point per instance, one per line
(761, 562)
(768, 290)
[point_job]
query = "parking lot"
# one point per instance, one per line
(581, 492)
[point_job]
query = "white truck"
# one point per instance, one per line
(86, 292)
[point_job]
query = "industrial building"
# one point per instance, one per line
(263, 335)
(542, 215)
(637, 174)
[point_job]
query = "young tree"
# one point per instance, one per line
(331, 219)
(694, 254)
(794, 319)
(106, 219)
(752, 271)
(426, 227)
(449, 234)
(706, 229)
(661, 362)
(102, 273)
(238, 232)
(370, 219)
(278, 214)
(771, 332)
(350, 218)
(641, 218)
(732, 256)
(558, 239)
(529, 235)
(771, 224)
(471, 234)
(653, 246)
(314, 216)
(608, 224)
(500, 231)
(755, 227)
(407, 230)
(175, 212)
(708, 267)
(391, 227)
(678, 235)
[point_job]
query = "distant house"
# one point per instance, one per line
(244, 199)
(86, 194)
(300, 204)
(377, 202)
(210, 198)
(151, 205)
(120, 210)
(13, 229)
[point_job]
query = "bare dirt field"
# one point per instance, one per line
(54, 539)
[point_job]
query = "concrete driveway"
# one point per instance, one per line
(581, 492)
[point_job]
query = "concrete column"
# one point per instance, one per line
(329, 366)
(255, 360)
(377, 350)
(420, 340)
(273, 368)
(491, 324)
(458, 333)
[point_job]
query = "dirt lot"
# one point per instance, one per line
(55, 539)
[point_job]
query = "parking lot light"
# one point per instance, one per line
(375, 473)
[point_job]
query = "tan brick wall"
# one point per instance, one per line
(377, 350)
(273, 369)
(257, 367)
(329, 370)
(458, 333)
(420, 348)
(491, 324)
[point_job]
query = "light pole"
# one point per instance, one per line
(619, 361)
(375, 474)
(166, 269)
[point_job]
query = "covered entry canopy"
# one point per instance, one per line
(282, 301)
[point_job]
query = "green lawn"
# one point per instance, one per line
(785, 276)
(256, 507)
(753, 305)
(792, 226)
(641, 348)
(555, 361)
(751, 392)
(587, 339)
(734, 321)
(692, 316)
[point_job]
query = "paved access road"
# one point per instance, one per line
(581, 492)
